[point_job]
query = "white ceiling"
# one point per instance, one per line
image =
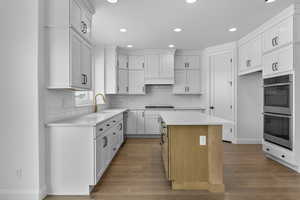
(205, 23)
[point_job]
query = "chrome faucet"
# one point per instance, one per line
(95, 101)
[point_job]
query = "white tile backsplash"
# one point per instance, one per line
(156, 95)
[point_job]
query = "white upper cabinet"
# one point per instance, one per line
(122, 61)
(136, 82)
(278, 62)
(159, 69)
(279, 35)
(250, 56)
(76, 14)
(123, 87)
(187, 62)
(187, 82)
(69, 60)
(68, 48)
(193, 82)
(136, 62)
(180, 82)
(152, 68)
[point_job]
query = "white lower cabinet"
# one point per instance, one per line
(141, 122)
(152, 123)
(78, 156)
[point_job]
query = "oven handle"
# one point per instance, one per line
(278, 84)
(276, 115)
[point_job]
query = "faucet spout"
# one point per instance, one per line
(95, 101)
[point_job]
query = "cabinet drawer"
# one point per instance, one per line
(100, 129)
(278, 35)
(280, 153)
(279, 61)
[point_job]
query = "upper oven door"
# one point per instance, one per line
(278, 95)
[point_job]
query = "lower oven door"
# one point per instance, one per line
(278, 129)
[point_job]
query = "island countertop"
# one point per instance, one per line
(187, 118)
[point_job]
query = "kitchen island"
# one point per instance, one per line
(192, 150)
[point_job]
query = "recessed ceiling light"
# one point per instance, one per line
(112, 1)
(123, 30)
(191, 1)
(129, 45)
(177, 30)
(270, 1)
(171, 46)
(232, 30)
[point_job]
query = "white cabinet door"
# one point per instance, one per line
(123, 81)
(193, 81)
(152, 67)
(136, 62)
(136, 82)
(278, 62)
(278, 35)
(250, 56)
(75, 15)
(180, 82)
(180, 62)
(166, 67)
(86, 65)
(122, 61)
(131, 127)
(256, 52)
(140, 123)
(192, 62)
(76, 77)
(152, 124)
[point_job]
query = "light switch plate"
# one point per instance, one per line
(202, 140)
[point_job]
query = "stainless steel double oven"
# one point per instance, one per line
(278, 110)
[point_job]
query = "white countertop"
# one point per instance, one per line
(191, 118)
(91, 119)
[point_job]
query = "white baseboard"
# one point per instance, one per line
(10, 194)
(248, 141)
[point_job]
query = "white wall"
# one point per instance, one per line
(19, 138)
(250, 108)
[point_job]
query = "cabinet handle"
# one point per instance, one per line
(105, 141)
(83, 27)
(114, 121)
(276, 40)
(121, 126)
(143, 65)
(248, 63)
(188, 89)
(143, 114)
(82, 79)
(143, 88)
(127, 89)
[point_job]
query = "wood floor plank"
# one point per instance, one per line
(137, 174)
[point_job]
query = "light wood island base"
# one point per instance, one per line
(189, 165)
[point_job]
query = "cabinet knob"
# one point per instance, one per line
(114, 133)
(282, 156)
(107, 124)
(100, 129)
(268, 149)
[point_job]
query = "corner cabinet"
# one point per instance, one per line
(68, 46)
(250, 56)
(124, 74)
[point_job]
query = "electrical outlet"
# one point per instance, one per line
(202, 140)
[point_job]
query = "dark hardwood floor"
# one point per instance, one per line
(137, 174)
